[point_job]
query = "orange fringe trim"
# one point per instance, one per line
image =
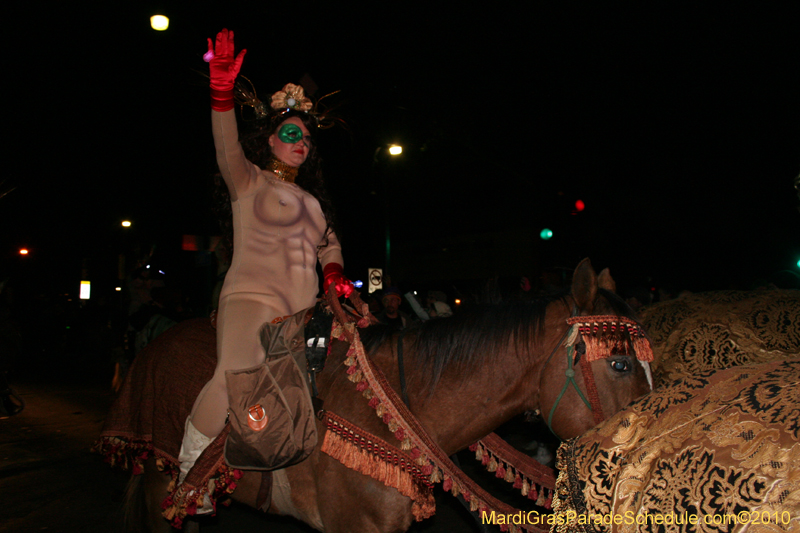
(540, 494)
(382, 462)
(605, 335)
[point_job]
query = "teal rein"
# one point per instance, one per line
(570, 373)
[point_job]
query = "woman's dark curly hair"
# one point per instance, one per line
(257, 150)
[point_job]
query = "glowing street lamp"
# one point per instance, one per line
(159, 22)
(23, 251)
(126, 223)
(395, 149)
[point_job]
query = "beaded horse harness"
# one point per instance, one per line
(601, 336)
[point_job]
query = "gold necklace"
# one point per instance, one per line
(281, 170)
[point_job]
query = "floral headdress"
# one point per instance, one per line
(291, 98)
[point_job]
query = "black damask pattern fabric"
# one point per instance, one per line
(718, 330)
(722, 446)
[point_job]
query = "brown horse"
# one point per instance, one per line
(467, 375)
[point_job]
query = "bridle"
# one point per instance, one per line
(593, 403)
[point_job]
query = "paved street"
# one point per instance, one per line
(49, 481)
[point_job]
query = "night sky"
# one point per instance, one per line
(677, 124)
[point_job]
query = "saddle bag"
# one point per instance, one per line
(270, 412)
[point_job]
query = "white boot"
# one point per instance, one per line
(192, 446)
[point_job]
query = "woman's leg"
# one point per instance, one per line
(238, 346)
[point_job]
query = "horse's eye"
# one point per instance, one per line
(619, 365)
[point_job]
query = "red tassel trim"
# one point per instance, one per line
(604, 335)
(447, 484)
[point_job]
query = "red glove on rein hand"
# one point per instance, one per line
(223, 69)
(334, 274)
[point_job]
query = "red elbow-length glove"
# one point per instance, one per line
(223, 69)
(334, 274)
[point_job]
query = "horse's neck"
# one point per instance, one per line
(464, 408)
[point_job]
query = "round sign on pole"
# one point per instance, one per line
(375, 279)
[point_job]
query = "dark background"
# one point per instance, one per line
(677, 124)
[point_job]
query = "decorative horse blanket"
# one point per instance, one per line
(717, 330)
(717, 451)
(148, 417)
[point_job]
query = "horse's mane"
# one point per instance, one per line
(473, 337)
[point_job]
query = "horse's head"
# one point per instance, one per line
(599, 365)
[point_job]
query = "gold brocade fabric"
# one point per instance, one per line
(718, 451)
(717, 330)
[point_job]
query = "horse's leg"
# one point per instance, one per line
(155, 486)
(328, 496)
(143, 497)
(302, 504)
(294, 492)
(350, 501)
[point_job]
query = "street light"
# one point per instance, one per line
(159, 22)
(126, 223)
(394, 150)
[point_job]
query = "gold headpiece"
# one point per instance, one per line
(291, 97)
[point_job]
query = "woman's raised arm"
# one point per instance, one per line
(236, 170)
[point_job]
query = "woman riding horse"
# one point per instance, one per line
(466, 375)
(281, 228)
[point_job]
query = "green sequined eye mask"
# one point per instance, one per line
(290, 133)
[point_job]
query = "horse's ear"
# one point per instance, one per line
(584, 285)
(605, 281)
